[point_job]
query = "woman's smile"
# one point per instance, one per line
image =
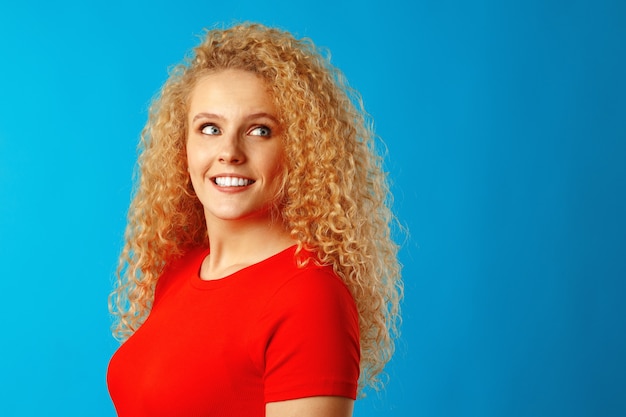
(232, 181)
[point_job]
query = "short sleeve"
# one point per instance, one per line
(310, 334)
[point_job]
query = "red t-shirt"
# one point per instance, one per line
(269, 332)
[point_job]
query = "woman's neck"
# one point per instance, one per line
(238, 244)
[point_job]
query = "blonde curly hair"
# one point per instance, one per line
(335, 200)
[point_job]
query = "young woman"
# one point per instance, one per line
(258, 275)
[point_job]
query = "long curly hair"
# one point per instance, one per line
(335, 198)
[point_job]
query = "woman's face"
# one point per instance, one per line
(234, 150)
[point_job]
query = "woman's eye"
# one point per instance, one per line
(261, 131)
(210, 130)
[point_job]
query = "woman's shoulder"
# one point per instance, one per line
(310, 286)
(178, 266)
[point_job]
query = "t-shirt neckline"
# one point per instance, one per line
(200, 283)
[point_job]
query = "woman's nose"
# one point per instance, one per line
(231, 152)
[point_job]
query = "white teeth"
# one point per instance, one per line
(232, 182)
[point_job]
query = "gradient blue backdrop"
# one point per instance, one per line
(505, 122)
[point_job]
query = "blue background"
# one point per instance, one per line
(505, 123)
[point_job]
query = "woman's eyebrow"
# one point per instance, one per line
(259, 115)
(207, 116)
(262, 115)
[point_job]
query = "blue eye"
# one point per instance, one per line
(210, 130)
(261, 131)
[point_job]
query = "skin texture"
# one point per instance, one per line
(311, 407)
